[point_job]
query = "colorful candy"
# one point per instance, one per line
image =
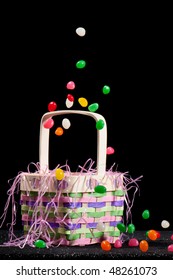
(110, 151)
(66, 123)
(48, 123)
(170, 248)
(83, 102)
(70, 97)
(152, 234)
(93, 107)
(81, 31)
(143, 246)
(52, 106)
(105, 245)
(40, 243)
(59, 131)
(121, 227)
(146, 214)
(100, 189)
(100, 124)
(70, 85)
(131, 228)
(80, 64)
(59, 174)
(106, 89)
(69, 103)
(165, 224)
(118, 243)
(133, 242)
(100, 226)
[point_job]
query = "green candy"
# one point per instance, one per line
(100, 189)
(131, 228)
(146, 214)
(93, 107)
(100, 124)
(40, 243)
(106, 89)
(121, 227)
(80, 64)
(147, 233)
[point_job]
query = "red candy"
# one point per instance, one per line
(70, 97)
(133, 242)
(52, 106)
(118, 243)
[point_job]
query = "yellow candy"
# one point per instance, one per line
(83, 101)
(59, 173)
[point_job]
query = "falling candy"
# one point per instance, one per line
(40, 243)
(131, 228)
(83, 102)
(152, 234)
(106, 89)
(68, 103)
(100, 189)
(118, 243)
(70, 85)
(105, 245)
(80, 64)
(48, 123)
(100, 124)
(133, 242)
(59, 174)
(121, 227)
(110, 151)
(70, 97)
(170, 248)
(52, 106)
(93, 107)
(143, 246)
(165, 224)
(66, 123)
(81, 31)
(59, 131)
(145, 214)
(101, 227)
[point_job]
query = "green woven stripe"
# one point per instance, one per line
(95, 194)
(95, 214)
(73, 236)
(73, 194)
(118, 193)
(96, 234)
(74, 215)
(117, 213)
(114, 233)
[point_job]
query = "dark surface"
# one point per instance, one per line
(157, 250)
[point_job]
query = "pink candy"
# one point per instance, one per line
(133, 242)
(110, 150)
(170, 248)
(70, 85)
(118, 243)
(172, 237)
(49, 123)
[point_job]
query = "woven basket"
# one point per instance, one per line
(70, 212)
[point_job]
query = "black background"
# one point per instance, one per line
(131, 51)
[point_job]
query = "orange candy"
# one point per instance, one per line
(143, 245)
(105, 245)
(59, 131)
(152, 234)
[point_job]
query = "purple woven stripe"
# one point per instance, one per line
(114, 224)
(117, 203)
(72, 226)
(96, 204)
(53, 225)
(73, 204)
(91, 225)
(29, 203)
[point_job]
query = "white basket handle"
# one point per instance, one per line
(101, 139)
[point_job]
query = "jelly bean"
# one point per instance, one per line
(106, 89)
(59, 131)
(59, 174)
(48, 123)
(81, 31)
(105, 245)
(145, 214)
(66, 123)
(80, 64)
(152, 234)
(158, 234)
(133, 242)
(118, 243)
(83, 102)
(100, 226)
(70, 85)
(131, 228)
(100, 124)
(143, 245)
(110, 151)
(70, 97)
(147, 233)
(52, 106)
(100, 189)
(172, 237)
(165, 224)
(170, 248)
(40, 243)
(93, 107)
(121, 227)
(69, 103)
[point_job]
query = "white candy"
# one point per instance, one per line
(66, 123)
(69, 103)
(81, 31)
(101, 226)
(165, 224)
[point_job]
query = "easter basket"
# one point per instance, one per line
(79, 209)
